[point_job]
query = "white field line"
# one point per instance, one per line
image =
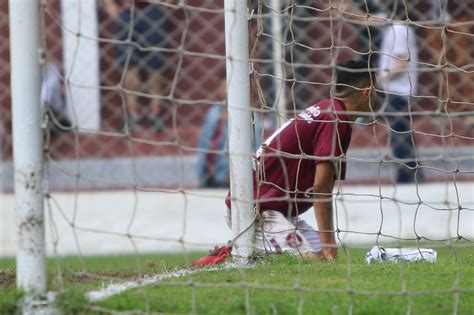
(117, 288)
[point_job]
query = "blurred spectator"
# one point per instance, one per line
(457, 49)
(52, 99)
(398, 78)
(146, 25)
(213, 167)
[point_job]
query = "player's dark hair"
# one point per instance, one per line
(352, 76)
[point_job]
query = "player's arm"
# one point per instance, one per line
(323, 186)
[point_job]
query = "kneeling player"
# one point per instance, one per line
(297, 166)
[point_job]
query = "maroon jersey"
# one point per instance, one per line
(285, 164)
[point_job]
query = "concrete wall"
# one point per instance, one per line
(180, 171)
(99, 222)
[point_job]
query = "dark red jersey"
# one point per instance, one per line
(285, 164)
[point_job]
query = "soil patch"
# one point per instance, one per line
(7, 278)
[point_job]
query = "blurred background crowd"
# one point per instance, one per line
(160, 82)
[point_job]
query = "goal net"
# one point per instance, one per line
(136, 148)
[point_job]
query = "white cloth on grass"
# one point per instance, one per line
(274, 233)
(382, 255)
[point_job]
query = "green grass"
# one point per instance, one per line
(72, 277)
(276, 285)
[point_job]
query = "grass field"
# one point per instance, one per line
(273, 285)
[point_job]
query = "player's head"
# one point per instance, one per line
(355, 84)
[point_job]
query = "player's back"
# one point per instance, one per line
(286, 162)
(302, 134)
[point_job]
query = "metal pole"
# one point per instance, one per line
(240, 126)
(27, 144)
(279, 79)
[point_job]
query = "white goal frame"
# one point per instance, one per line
(26, 60)
(240, 127)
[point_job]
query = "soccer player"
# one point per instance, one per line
(297, 166)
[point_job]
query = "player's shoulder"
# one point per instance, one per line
(322, 110)
(330, 106)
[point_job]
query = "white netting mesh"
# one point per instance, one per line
(161, 65)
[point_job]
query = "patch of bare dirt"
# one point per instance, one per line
(7, 278)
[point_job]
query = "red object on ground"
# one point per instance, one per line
(215, 257)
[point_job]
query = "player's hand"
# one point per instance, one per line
(329, 253)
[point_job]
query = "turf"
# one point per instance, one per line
(274, 285)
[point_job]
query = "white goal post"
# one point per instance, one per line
(26, 56)
(240, 126)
